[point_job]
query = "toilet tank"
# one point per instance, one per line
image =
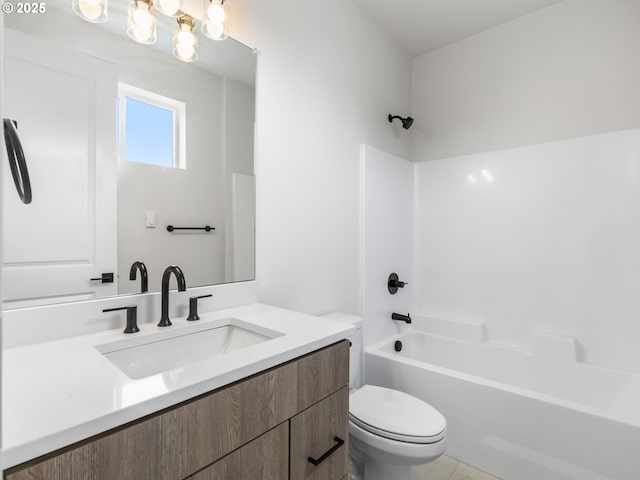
(355, 350)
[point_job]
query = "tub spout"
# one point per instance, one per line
(403, 318)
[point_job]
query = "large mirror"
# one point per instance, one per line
(121, 141)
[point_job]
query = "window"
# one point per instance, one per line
(151, 128)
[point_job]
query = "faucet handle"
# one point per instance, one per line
(394, 283)
(193, 307)
(132, 317)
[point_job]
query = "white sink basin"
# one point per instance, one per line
(152, 354)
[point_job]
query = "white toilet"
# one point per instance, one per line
(389, 431)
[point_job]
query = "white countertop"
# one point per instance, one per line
(59, 392)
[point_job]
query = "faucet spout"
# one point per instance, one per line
(403, 318)
(182, 286)
(144, 277)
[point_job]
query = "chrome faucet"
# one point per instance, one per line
(164, 319)
(144, 277)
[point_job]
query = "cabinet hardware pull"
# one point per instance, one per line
(318, 461)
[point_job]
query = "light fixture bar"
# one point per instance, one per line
(142, 22)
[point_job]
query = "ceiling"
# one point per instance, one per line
(421, 26)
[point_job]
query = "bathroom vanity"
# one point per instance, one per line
(245, 430)
(267, 423)
(80, 398)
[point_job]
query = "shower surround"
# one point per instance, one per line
(543, 237)
(523, 260)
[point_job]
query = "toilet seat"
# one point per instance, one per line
(396, 415)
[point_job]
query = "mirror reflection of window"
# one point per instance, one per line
(151, 128)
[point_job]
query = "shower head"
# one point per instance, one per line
(406, 122)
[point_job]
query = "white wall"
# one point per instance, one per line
(239, 121)
(239, 129)
(327, 78)
(565, 71)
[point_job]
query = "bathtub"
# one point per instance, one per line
(520, 414)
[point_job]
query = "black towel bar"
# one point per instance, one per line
(206, 228)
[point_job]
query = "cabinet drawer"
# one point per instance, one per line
(316, 433)
(265, 458)
(322, 373)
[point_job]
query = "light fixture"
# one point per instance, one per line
(214, 24)
(185, 42)
(170, 8)
(94, 11)
(141, 23)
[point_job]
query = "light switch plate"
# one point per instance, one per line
(151, 219)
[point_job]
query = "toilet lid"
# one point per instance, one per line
(396, 415)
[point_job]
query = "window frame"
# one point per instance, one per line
(178, 108)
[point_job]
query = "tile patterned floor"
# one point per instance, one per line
(447, 468)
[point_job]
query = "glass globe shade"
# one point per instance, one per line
(141, 17)
(141, 34)
(186, 39)
(185, 52)
(215, 13)
(215, 30)
(91, 9)
(169, 7)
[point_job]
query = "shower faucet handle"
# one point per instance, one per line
(394, 283)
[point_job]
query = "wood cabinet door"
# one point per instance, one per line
(265, 458)
(321, 433)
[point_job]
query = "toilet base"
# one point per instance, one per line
(370, 467)
(376, 458)
(356, 470)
